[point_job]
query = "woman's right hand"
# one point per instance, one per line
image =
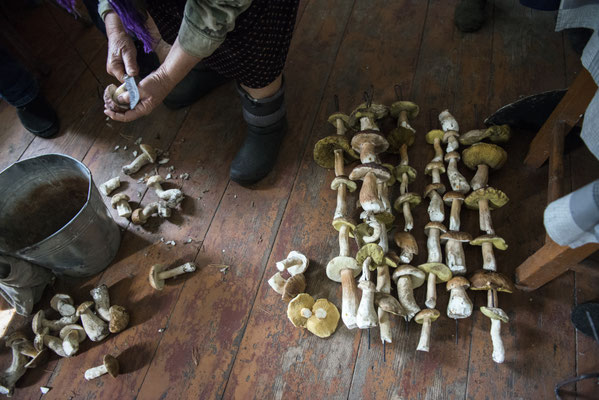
(122, 55)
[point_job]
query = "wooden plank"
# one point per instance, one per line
(14, 139)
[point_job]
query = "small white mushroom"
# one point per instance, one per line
(459, 304)
(173, 197)
(344, 269)
(95, 327)
(110, 185)
(366, 316)
(158, 274)
(295, 263)
(120, 202)
(102, 300)
(110, 365)
(497, 316)
(489, 262)
(426, 317)
(71, 336)
(454, 251)
(63, 303)
(147, 156)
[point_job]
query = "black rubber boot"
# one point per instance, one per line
(197, 83)
(38, 117)
(469, 15)
(267, 125)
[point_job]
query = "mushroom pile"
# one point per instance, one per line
(482, 157)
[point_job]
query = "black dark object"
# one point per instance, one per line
(38, 117)
(585, 318)
(469, 15)
(197, 83)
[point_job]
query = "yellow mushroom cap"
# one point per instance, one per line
(296, 310)
(440, 270)
(324, 319)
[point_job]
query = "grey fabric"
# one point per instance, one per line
(263, 112)
(573, 220)
(22, 283)
(585, 14)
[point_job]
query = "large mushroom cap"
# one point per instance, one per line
(434, 134)
(409, 171)
(112, 365)
(490, 280)
(400, 136)
(437, 187)
(339, 222)
(338, 264)
(457, 236)
(344, 180)
(496, 198)
(434, 225)
(296, 310)
(495, 313)
(440, 270)
(428, 313)
(119, 319)
(294, 286)
(406, 242)
(156, 282)
(339, 116)
(411, 108)
(388, 304)
(417, 276)
(373, 251)
(449, 197)
(434, 165)
(457, 282)
(484, 153)
(413, 199)
(324, 319)
(497, 241)
(381, 173)
(380, 143)
(324, 151)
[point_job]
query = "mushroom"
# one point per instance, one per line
(111, 95)
(102, 301)
(95, 327)
(172, 197)
(492, 282)
(110, 365)
(344, 269)
(324, 150)
(408, 245)
(405, 175)
(495, 133)
(43, 338)
(456, 179)
(141, 215)
(110, 185)
(293, 286)
(436, 210)
(147, 156)
(299, 310)
(366, 316)
(27, 349)
(434, 169)
(388, 304)
(71, 336)
(486, 199)
(437, 272)
(342, 184)
(487, 242)
(63, 303)
(403, 133)
(497, 316)
(404, 204)
(379, 232)
(158, 273)
(450, 127)
(482, 156)
(383, 287)
(120, 202)
(383, 189)
(345, 228)
(454, 251)
(119, 319)
(324, 319)
(425, 318)
(39, 321)
(370, 174)
(454, 200)
(433, 243)
(459, 305)
(407, 279)
(369, 142)
(372, 250)
(16, 370)
(295, 263)
(434, 137)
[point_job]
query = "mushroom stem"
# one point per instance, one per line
(384, 326)
(383, 191)
(498, 350)
(341, 129)
(492, 300)
(95, 372)
(481, 177)
(454, 216)
(112, 184)
(436, 175)
(403, 186)
(454, 255)
(452, 144)
(484, 215)
(367, 153)
(339, 161)
(102, 299)
(431, 291)
(136, 165)
(406, 255)
(425, 336)
(369, 198)
(65, 308)
(54, 344)
(489, 262)
(341, 208)
(405, 295)
(344, 241)
(433, 246)
(349, 298)
(123, 209)
(436, 210)
(459, 304)
(408, 218)
(187, 267)
(383, 279)
(277, 283)
(95, 328)
(403, 154)
(367, 123)
(438, 150)
(366, 316)
(456, 180)
(383, 240)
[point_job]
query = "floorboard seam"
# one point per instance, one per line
(419, 48)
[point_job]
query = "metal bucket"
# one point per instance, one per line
(51, 214)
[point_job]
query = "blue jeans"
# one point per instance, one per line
(17, 85)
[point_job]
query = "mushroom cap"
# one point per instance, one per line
(154, 179)
(137, 217)
(392, 179)
(499, 133)
(449, 197)
(381, 173)
(484, 153)
(495, 313)
(490, 280)
(296, 268)
(339, 115)
(434, 225)
(375, 111)
(111, 101)
(400, 136)
(112, 365)
(37, 322)
(438, 165)
(457, 282)
(295, 307)
(81, 335)
(148, 151)
(389, 304)
(14, 338)
(324, 151)
(497, 241)
(411, 108)
(413, 199)
(473, 136)
(451, 155)
(392, 259)
(338, 264)
(324, 319)
(406, 242)
(362, 230)
(428, 313)
(295, 285)
(84, 307)
(440, 270)
(449, 134)
(119, 318)
(437, 187)
(373, 251)
(496, 198)
(375, 137)
(385, 218)
(434, 134)
(401, 169)
(156, 282)
(38, 359)
(117, 198)
(457, 236)
(417, 276)
(339, 222)
(344, 180)
(58, 297)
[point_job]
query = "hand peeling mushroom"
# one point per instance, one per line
(408, 278)
(120, 202)
(148, 156)
(94, 326)
(459, 304)
(111, 98)
(295, 263)
(426, 318)
(408, 246)
(324, 319)
(110, 185)
(110, 365)
(159, 273)
(172, 197)
(344, 269)
(366, 316)
(63, 303)
(71, 336)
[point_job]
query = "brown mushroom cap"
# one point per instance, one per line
(497, 241)
(400, 136)
(440, 270)
(496, 198)
(339, 222)
(449, 197)
(137, 217)
(434, 225)
(111, 99)
(112, 365)
(323, 326)
(338, 264)
(428, 313)
(411, 198)
(336, 116)
(83, 307)
(484, 153)
(490, 280)
(416, 276)
(148, 151)
(437, 187)
(449, 134)
(406, 242)
(295, 285)
(119, 318)
(373, 251)
(381, 173)
(380, 143)
(457, 282)
(495, 313)
(388, 303)
(451, 155)
(344, 180)
(295, 307)
(156, 282)
(434, 134)
(324, 151)
(457, 236)
(438, 165)
(117, 198)
(401, 169)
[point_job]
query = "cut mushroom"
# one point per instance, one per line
(425, 318)
(299, 310)
(27, 348)
(110, 185)
(95, 327)
(295, 263)
(43, 338)
(407, 279)
(172, 197)
(295, 285)
(120, 202)
(147, 156)
(102, 301)
(345, 269)
(459, 304)
(63, 303)
(111, 94)
(110, 365)
(158, 273)
(366, 316)
(71, 336)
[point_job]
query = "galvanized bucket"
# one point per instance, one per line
(51, 214)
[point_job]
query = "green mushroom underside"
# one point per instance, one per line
(324, 151)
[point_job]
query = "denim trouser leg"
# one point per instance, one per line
(17, 85)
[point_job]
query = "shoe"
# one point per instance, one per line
(38, 117)
(469, 15)
(197, 83)
(267, 125)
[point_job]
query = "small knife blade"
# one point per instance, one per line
(133, 91)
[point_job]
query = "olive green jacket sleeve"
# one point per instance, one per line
(103, 8)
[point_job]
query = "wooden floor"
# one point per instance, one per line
(226, 335)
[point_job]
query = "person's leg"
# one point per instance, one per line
(19, 89)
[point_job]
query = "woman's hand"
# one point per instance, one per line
(122, 56)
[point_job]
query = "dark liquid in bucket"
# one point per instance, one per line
(44, 211)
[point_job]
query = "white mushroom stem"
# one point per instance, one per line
(454, 216)
(16, 370)
(277, 283)
(489, 262)
(172, 196)
(433, 245)
(384, 240)
(65, 308)
(57, 325)
(136, 165)
(431, 291)
(123, 209)
(452, 144)
(70, 343)
(366, 316)
(498, 350)
(339, 162)
(484, 217)
(383, 191)
(425, 336)
(180, 270)
(406, 256)
(383, 279)
(407, 215)
(306, 312)
(164, 210)
(349, 298)
(481, 177)
(95, 372)
(341, 208)
(54, 344)
(403, 186)
(438, 151)
(492, 300)
(344, 241)
(384, 326)
(455, 258)
(341, 129)
(436, 175)
(95, 328)
(102, 300)
(436, 210)
(459, 304)
(405, 295)
(376, 229)
(369, 198)
(367, 123)
(456, 180)
(110, 185)
(148, 210)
